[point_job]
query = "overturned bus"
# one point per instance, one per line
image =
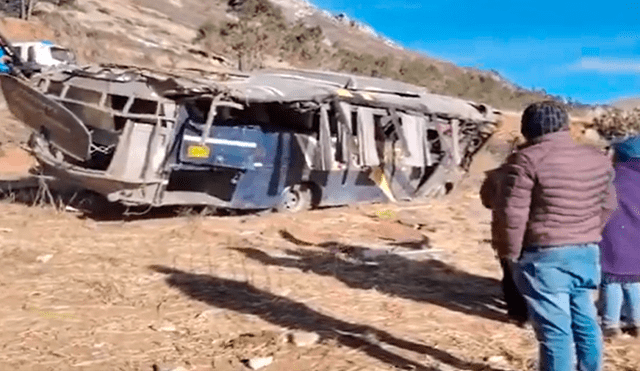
(283, 139)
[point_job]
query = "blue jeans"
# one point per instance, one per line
(615, 297)
(557, 284)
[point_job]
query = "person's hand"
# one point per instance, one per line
(5, 59)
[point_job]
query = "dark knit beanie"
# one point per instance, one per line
(544, 118)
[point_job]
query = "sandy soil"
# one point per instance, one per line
(14, 162)
(386, 287)
(18, 30)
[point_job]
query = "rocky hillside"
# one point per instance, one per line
(225, 35)
(627, 104)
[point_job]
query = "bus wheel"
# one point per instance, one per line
(295, 198)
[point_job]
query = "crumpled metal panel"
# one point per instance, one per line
(61, 127)
(366, 138)
(414, 128)
(346, 81)
(458, 108)
(292, 87)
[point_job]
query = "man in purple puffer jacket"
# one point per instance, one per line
(558, 195)
(620, 245)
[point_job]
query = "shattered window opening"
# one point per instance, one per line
(143, 106)
(63, 55)
(117, 102)
(198, 109)
(119, 122)
(333, 124)
(83, 95)
(31, 54)
(386, 126)
(55, 88)
(354, 123)
(268, 116)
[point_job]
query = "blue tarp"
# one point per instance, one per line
(628, 149)
(4, 68)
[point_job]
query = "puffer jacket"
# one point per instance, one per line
(557, 192)
(490, 196)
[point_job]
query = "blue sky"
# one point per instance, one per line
(585, 50)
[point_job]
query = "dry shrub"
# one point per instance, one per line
(260, 29)
(616, 123)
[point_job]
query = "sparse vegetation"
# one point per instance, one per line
(419, 72)
(256, 34)
(260, 26)
(365, 64)
(261, 30)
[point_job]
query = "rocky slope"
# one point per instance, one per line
(191, 34)
(627, 104)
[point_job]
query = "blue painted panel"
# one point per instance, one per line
(229, 146)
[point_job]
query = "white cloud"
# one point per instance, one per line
(608, 65)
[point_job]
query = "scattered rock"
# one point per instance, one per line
(44, 258)
(91, 225)
(209, 313)
(168, 368)
(166, 327)
(43, 7)
(71, 209)
(374, 253)
(443, 367)
(258, 363)
(304, 339)
(496, 359)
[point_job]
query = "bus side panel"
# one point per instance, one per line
(282, 164)
(229, 146)
(340, 187)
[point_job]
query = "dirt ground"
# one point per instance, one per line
(386, 287)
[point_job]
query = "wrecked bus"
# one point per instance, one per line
(288, 140)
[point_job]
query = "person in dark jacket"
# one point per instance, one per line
(557, 197)
(490, 196)
(620, 245)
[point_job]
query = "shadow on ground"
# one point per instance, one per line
(90, 205)
(429, 280)
(247, 299)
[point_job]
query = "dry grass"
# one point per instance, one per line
(208, 292)
(186, 289)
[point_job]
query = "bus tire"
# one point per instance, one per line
(296, 198)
